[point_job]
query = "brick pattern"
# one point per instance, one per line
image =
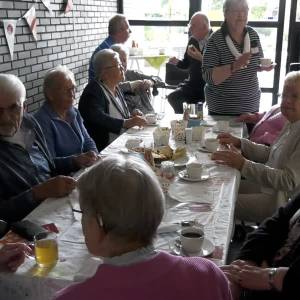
(62, 39)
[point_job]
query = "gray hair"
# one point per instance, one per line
(52, 78)
(102, 59)
(228, 4)
(120, 48)
(293, 77)
(11, 85)
(204, 16)
(127, 196)
(116, 23)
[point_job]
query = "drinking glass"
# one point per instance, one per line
(46, 249)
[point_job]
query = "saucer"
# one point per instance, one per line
(152, 124)
(207, 249)
(183, 175)
(203, 149)
(178, 163)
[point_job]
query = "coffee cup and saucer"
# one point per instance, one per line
(195, 171)
(151, 119)
(192, 242)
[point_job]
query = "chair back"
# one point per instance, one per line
(174, 75)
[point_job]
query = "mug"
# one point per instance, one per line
(192, 239)
(194, 170)
(265, 62)
(46, 249)
(151, 118)
(211, 144)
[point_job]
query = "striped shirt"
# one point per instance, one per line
(240, 92)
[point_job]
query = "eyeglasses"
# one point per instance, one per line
(119, 65)
(292, 97)
(98, 218)
(13, 109)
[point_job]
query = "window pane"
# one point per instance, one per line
(298, 11)
(268, 41)
(260, 10)
(156, 10)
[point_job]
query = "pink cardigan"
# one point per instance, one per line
(161, 277)
(267, 129)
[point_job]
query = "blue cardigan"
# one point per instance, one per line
(64, 139)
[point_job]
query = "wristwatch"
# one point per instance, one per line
(272, 273)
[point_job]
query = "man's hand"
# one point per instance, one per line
(85, 159)
(55, 187)
(173, 60)
(13, 255)
(135, 121)
(193, 52)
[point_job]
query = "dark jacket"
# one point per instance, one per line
(94, 109)
(263, 244)
(18, 174)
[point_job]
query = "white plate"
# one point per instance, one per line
(180, 162)
(207, 249)
(152, 124)
(183, 175)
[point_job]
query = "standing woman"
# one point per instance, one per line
(231, 62)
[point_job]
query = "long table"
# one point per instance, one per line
(212, 206)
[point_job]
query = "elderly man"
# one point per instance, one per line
(26, 164)
(192, 89)
(118, 32)
(102, 104)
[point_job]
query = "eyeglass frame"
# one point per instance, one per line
(13, 109)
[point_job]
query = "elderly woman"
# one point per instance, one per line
(271, 172)
(231, 62)
(136, 88)
(123, 204)
(102, 104)
(67, 139)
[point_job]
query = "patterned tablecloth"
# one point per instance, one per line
(211, 203)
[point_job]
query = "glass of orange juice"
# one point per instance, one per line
(46, 249)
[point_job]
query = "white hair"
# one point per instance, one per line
(127, 196)
(102, 59)
(52, 77)
(12, 85)
(228, 4)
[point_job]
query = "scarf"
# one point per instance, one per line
(235, 52)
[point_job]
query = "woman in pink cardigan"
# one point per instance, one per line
(267, 125)
(123, 204)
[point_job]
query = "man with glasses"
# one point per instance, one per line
(118, 32)
(102, 104)
(26, 164)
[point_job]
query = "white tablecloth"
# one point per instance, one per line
(75, 263)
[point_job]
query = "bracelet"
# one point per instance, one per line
(272, 273)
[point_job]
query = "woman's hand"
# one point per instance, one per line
(228, 139)
(86, 159)
(13, 255)
(231, 158)
(241, 62)
(248, 118)
(267, 68)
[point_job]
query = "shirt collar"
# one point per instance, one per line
(131, 257)
(53, 115)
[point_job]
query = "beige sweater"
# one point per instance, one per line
(284, 176)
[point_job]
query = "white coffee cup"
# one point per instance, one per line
(151, 118)
(194, 169)
(192, 239)
(211, 144)
(265, 62)
(222, 126)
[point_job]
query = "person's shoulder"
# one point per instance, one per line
(216, 34)
(252, 31)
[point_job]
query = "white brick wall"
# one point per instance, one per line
(62, 39)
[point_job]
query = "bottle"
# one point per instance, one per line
(199, 110)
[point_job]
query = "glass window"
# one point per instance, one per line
(157, 10)
(260, 10)
(298, 11)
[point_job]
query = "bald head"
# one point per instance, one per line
(199, 25)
